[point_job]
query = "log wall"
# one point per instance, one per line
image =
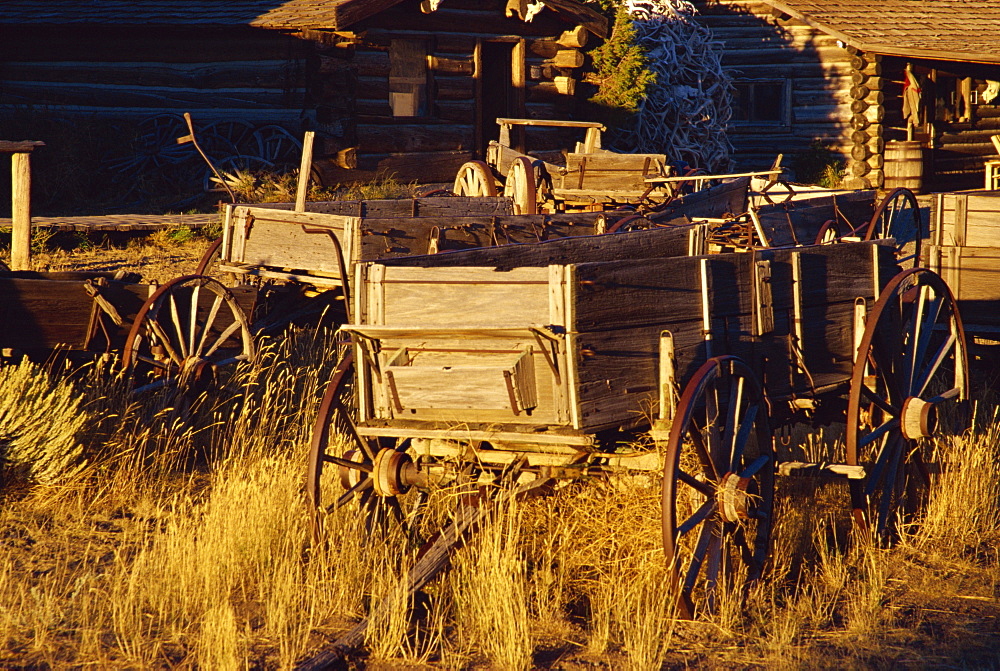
(761, 44)
(334, 82)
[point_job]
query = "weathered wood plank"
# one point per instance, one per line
(661, 242)
(464, 296)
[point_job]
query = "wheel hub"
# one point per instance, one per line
(918, 418)
(393, 472)
(349, 477)
(732, 497)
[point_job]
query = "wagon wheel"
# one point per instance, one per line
(828, 233)
(184, 333)
(222, 139)
(375, 475)
(277, 146)
(718, 485)
(898, 217)
(909, 381)
(523, 181)
(475, 179)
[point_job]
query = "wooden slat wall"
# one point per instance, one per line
(759, 45)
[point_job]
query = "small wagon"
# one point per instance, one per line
(588, 178)
(183, 331)
(529, 365)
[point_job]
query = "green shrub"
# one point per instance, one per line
(819, 165)
(621, 72)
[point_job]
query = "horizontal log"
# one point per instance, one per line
(371, 63)
(88, 43)
(656, 243)
(452, 66)
(414, 137)
(454, 88)
(265, 74)
(421, 167)
(82, 95)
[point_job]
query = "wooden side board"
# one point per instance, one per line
(790, 313)
(445, 206)
(966, 219)
(973, 274)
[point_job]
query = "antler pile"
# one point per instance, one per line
(685, 112)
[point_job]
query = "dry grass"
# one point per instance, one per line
(183, 543)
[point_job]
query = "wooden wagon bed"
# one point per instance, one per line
(588, 334)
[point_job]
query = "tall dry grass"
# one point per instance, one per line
(184, 542)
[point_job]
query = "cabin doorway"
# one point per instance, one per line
(499, 90)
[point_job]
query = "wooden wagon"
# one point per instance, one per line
(183, 331)
(533, 364)
(587, 178)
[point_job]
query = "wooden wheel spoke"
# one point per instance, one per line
(712, 424)
(347, 463)
(890, 493)
(879, 402)
(223, 337)
(923, 339)
(209, 322)
(165, 341)
(176, 318)
(945, 396)
(154, 362)
(755, 466)
(885, 455)
(743, 436)
(345, 498)
(877, 433)
(699, 516)
(366, 449)
(702, 451)
(729, 434)
(193, 321)
(693, 482)
(927, 374)
(698, 556)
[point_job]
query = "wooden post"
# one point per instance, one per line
(20, 244)
(305, 167)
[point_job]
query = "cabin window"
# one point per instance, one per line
(409, 89)
(761, 101)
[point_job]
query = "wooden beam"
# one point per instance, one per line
(20, 243)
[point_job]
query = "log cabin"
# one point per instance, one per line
(402, 87)
(836, 70)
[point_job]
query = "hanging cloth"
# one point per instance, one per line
(911, 98)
